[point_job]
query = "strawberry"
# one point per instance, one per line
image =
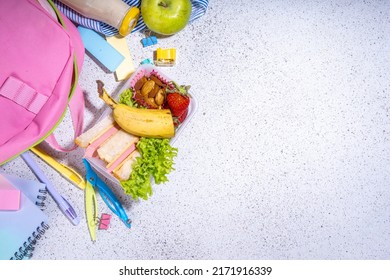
(178, 103)
(183, 116)
(180, 119)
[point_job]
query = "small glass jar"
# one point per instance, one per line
(114, 12)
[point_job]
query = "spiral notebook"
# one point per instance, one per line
(20, 230)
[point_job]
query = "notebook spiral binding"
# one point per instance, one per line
(28, 247)
(41, 198)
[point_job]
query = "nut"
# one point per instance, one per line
(159, 99)
(147, 87)
(138, 95)
(138, 85)
(154, 91)
(151, 103)
(156, 80)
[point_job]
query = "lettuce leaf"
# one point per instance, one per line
(126, 97)
(156, 161)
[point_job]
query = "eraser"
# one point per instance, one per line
(100, 49)
(126, 68)
(9, 195)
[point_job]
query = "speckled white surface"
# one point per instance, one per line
(288, 156)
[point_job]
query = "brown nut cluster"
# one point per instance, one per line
(150, 92)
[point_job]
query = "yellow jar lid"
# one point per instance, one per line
(129, 21)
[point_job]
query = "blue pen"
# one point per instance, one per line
(107, 194)
(62, 203)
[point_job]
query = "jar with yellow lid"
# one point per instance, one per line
(114, 12)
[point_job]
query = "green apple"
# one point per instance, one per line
(166, 17)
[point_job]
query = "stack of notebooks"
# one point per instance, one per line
(23, 223)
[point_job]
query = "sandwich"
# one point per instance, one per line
(122, 171)
(115, 146)
(95, 132)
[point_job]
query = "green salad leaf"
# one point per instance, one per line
(126, 97)
(156, 161)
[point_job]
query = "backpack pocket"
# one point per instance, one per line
(19, 104)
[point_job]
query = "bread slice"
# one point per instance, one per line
(95, 132)
(112, 165)
(122, 172)
(116, 145)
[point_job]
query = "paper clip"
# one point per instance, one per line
(149, 41)
(104, 221)
(165, 57)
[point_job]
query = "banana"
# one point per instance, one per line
(138, 121)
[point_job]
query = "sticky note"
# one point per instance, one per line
(126, 68)
(9, 195)
(100, 49)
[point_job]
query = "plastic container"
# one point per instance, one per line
(114, 12)
(146, 69)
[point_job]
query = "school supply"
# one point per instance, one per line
(9, 196)
(199, 8)
(146, 61)
(95, 44)
(20, 230)
(165, 57)
(91, 210)
(106, 193)
(68, 173)
(37, 83)
(104, 221)
(149, 41)
(126, 68)
(62, 203)
(34, 190)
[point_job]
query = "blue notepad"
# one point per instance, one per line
(20, 230)
(98, 47)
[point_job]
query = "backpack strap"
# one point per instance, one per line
(76, 101)
(76, 107)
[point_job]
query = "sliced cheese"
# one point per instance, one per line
(126, 68)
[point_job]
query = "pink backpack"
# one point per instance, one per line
(41, 54)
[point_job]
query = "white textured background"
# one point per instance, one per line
(288, 155)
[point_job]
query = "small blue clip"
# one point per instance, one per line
(149, 41)
(146, 61)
